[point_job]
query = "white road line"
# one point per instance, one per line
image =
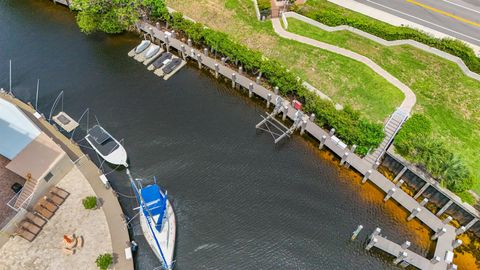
(458, 5)
(453, 31)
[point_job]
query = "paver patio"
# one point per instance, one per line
(45, 252)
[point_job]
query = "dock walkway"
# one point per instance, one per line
(444, 241)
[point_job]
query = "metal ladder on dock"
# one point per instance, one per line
(391, 129)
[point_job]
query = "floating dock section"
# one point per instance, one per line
(140, 57)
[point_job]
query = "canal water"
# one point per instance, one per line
(241, 201)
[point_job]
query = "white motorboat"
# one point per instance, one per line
(106, 146)
(153, 50)
(142, 46)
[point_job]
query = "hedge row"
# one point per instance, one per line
(349, 125)
(333, 15)
(416, 142)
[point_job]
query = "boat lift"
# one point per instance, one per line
(276, 128)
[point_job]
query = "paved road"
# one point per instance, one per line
(460, 19)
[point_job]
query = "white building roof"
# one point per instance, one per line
(16, 130)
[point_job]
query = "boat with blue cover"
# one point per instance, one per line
(157, 219)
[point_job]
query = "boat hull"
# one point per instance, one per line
(166, 237)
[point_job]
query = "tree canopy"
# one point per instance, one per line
(111, 16)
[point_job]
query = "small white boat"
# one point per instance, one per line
(153, 50)
(106, 146)
(142, 46)
(157, 220)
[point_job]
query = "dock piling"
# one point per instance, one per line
(440, 232)
(285, 112)
(344, 158)
(234, 77)
(447, 220)
(457, 243)
(269, 98)
(460, 230)
(414, 213)
(371, 243)
(406, 244)
(217, 68)
(250, 90)
(322, 141)
(223, 60)
(240, 70)
(257, 80)
(205, 51)
(303, 126)
(389, 194)
(312, 117)
(452, 267)
(401, 256)
(189, 42)
(332, 131)
(184, 52)
(424, 202)
(353, 148)
(199, 60)
(275, 90)
(399, 183)
(356, 232)
(365, 177)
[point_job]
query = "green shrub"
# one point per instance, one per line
(333, 15)
(349, 125)
(103, 261)
(90, 202)
(263, 5)
(416, 143)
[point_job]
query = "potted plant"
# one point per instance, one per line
(90, 202)
(103, 261)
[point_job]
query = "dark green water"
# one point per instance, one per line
(240, 201)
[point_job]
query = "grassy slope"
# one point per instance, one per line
(345, 80)
(445, 95)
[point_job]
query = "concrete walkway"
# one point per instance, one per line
(388, 43)
(395, 20)
(410, 98)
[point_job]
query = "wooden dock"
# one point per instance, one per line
(412, 258)
(444, 241)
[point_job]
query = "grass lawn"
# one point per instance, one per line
(346, 81)
(445, 95)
